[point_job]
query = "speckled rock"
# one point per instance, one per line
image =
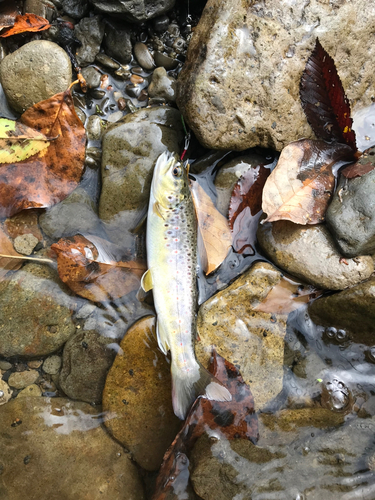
(19, 380)
(52, 364)
(75, 214)
(162, 85)
(240, 85)
(253, 341)
(229, 174)
(59, 451)
(137, 11)
(87, 358)
(32, 390)
(35, 292)
(90, 32)
(25, 243)
(130, 149)
(5, 392)
(351, 215)
(35, 72)
(352, 310)
(137, 394)
(309, 253)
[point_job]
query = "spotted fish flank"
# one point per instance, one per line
(172, 262)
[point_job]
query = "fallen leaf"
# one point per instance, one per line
(18, 141)
(6, 247)
(287, 296)
(324, 101)
(48, 177)
(301, 185)
(214, 238)
(80, 265)
(26, 23)
(233, 419)
(25, 222)
(363, 166)
(9, 10)
(245, 208)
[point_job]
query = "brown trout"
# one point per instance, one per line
(172, 267)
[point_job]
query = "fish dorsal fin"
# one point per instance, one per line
(146, 281)
(162, 338)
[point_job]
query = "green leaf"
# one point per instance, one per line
(18, 141)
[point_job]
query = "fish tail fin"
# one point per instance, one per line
(186, 388)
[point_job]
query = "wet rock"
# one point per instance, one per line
(143, 56)
(240, 85)
(138, 393)
(52, 365)
(137, 11)
(87, 358)
(253, 341)
(351, 215)
(161, 23)
(94, 128)
(90, 32)
(5, 392)
(5, 365)
(92, 77)
(35, 363)
(25, 243)
(75, 214)
(35, 72)
(106, 61)
(166, 62)
(117, 42)
(352, 310)
(32, 390)
(162, 85)
(75, 8)
(309, 463)
(130, 149)
(58, 432)
(42, 8)
(35, 292)
(19, 380)
(309, 253)
(229, 174)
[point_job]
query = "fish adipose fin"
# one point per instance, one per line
(162, 338)
(186, 389)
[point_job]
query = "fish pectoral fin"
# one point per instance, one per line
(162, 338)
(146, 281)
(156, 210)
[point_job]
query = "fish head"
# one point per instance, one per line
(170, 184)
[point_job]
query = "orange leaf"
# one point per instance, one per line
(81, 267)
(214, 238)
(301, 185)
(48, 177)
(27, 22)
(6, 247)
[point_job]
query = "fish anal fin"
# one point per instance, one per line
(146, 281)
(200, 382)
(162, 338)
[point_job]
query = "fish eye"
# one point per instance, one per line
(177, 171)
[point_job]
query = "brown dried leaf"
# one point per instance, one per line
(6, 247)
(245, 208)
(80, 267)
(287, 296)
(26, 222)
(214, 239)
(363, 166)
(301, 185)
(26, 23)
(234, 419)
(48, 177)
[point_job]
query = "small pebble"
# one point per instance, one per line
(143, 56)
(123, 73)
(92, 77)
(52, 364)
(94, 128)
(30, 390)
(25, 243)
(20, 380)
(121, 103)
(132, 90)
(143, 96)
(98, 94)
(5, 365)
(115, 117)
(160, 23)
(5, 392)
(81, 115)
(35, 363)
(85, 311)
(107, 61)
(136, 79)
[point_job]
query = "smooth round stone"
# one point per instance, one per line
(162, 85)
(94, 128)
(25, 243)
(5, 392)
(106, 61)
(57, 449)
(36, 71)
(32, 390)
(92, 77)
(52, 365)
(19, 380)
(166, 62)
(5, 365)
(143, 56)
